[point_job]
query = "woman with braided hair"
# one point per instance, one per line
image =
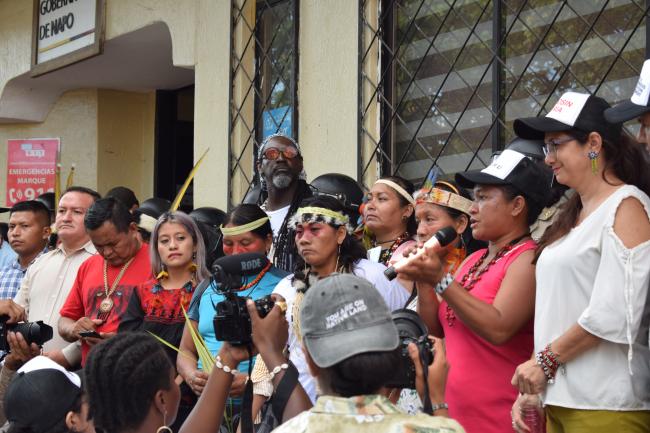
(325, 244)
(130, 384)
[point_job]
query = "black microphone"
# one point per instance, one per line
(245, 264)
(440, 239)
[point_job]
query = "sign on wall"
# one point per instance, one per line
(65, 32)
(31, 168)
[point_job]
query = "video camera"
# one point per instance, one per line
(33, 332)
(232, 322)
(411, 329)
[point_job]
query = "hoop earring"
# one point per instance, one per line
(594, 163)
(164, 428)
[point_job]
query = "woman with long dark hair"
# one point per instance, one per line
(246, 229)
(325, 245)
(389, 218)
(592, 307)
(486, 310)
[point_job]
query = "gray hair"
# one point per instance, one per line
(188, 223)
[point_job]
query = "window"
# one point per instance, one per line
(264, 67)
(442, 80)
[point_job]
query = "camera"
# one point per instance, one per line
(33, 332)
(411, 329)
(232, 322)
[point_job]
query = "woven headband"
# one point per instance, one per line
(311, 214)
(238, 230)
(444, 198)
(401, 191)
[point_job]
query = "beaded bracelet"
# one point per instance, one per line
(225, 368)
(549, 362)
(278, 369)
(444, 283)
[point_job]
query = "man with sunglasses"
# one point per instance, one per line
(280, 166)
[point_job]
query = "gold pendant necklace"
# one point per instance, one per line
(106, 305)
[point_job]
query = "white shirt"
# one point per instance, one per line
(393, 293)
(591, 278)
(276, 218)
(46, 285)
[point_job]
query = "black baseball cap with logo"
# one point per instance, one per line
(573, 110)
(638, 104)
(512, 168)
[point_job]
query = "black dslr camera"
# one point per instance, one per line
(32, 332)
(231, 321)
(411, 329)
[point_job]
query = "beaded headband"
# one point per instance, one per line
(311, 214)
(401, 191)
(443, 198)
(238, 230)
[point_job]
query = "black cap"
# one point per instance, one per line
(573, 110)
(639, 102)
(40, 395)
(511, 168)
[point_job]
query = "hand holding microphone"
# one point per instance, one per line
(440, 239)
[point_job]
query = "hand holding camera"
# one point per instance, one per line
(437, 374)
(20, 351)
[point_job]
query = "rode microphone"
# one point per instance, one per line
(239, 264)
(440, 239)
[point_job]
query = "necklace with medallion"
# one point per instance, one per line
(106, 305)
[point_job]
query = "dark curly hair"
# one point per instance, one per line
(351, 249)
(121, 377)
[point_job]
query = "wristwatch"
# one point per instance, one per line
(444, 283)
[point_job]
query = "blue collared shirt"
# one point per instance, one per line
(12, 275)
(7, 255)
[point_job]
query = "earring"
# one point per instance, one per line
(162, 274)
(338, 254)
(193, 266)
(164, 428)
(594, 163)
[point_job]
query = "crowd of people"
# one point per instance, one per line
(534, 314)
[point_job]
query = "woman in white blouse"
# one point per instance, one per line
(591, 365)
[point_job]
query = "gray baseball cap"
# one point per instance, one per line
(342, 316)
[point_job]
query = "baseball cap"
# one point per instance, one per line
(41, 394)
(573, 110)
(638, 104)
(511, 168)
(343, 315)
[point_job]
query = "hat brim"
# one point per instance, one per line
(624, 111)
(4, 209)
(534, 128)
(329, 350)
(470, 178)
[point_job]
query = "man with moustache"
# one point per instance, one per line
(48, 281)
(280, 166)
(29, 230)
(101, 292)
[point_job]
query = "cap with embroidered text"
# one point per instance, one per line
(573, 110)
(512, 168)
(638, 104)
(342, 316)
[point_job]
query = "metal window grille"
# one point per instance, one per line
(264, 68)
(441, 81)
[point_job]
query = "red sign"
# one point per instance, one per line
(31, 166)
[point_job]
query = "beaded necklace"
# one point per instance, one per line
(386, 254)
(474, 274)
(258, 278)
